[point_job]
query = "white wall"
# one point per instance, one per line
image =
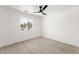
(62, 26)
(10, 27)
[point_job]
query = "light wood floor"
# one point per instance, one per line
(39, 45)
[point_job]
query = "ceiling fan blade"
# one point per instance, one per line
(35, 12)
(40, 7)
(44, 7)
(43, 13)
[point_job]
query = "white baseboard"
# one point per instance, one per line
(76, 45)
(19, 41)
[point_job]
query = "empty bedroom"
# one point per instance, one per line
(39, 29)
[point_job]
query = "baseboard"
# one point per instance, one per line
(60, 41)
(19, 41)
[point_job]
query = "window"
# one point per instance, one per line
(25, 23)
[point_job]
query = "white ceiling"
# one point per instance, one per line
(33, 8)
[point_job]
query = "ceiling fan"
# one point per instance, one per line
(42, 8)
